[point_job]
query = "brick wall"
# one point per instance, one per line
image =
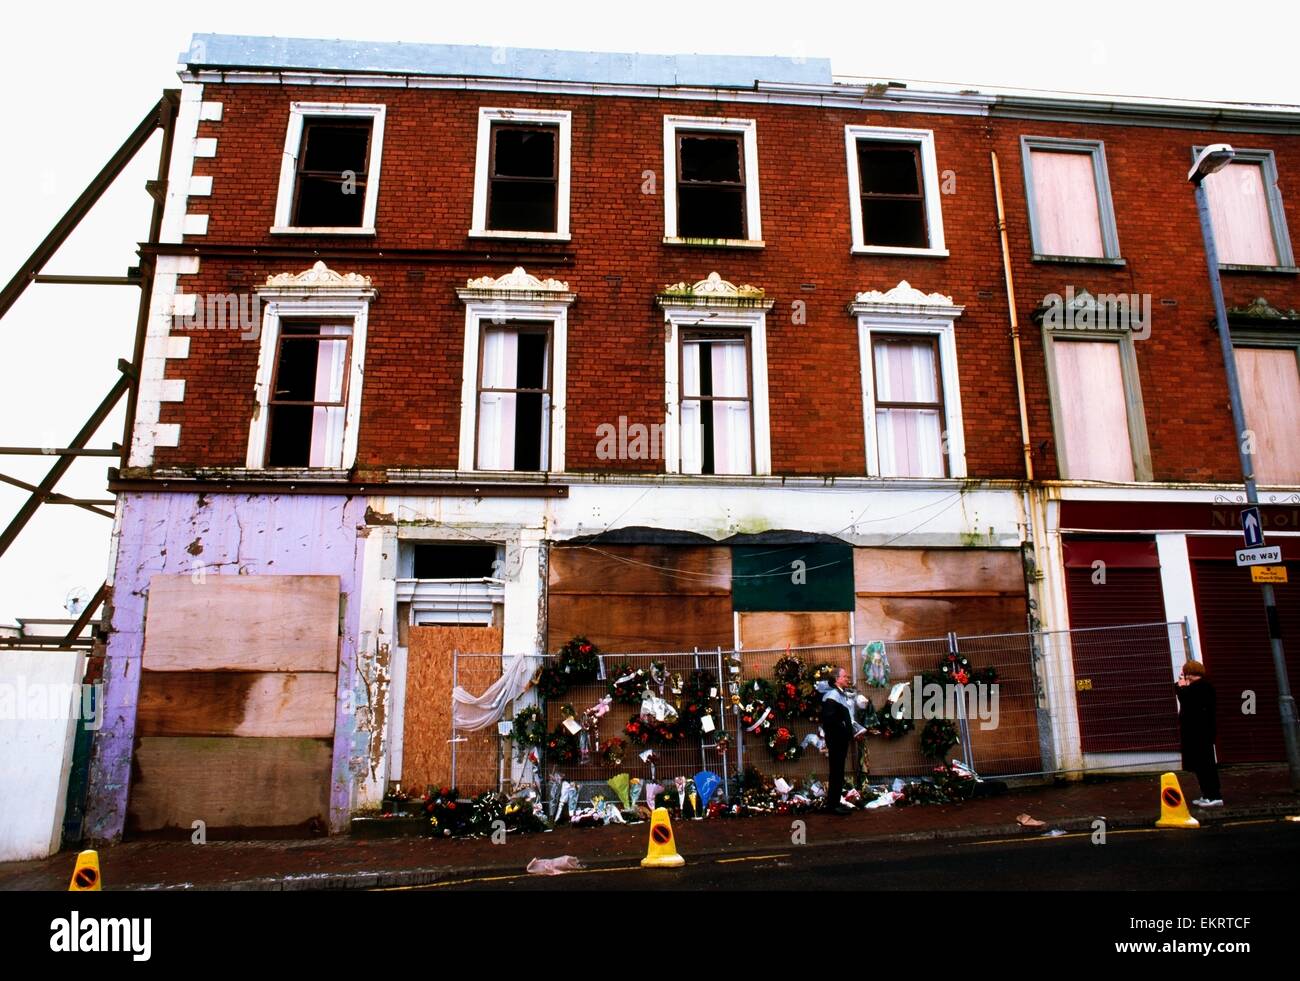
(410, 406)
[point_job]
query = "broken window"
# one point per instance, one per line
(710, 185)
(330, 188)
(717, 430)
(893, 201)
(514, 398)
(308, 395)
(523, 178)
(909, 405)
(443, 560)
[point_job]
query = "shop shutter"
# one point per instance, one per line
(1235, 646)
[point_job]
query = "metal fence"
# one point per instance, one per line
(1051, 702)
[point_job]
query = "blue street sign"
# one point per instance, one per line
(1252, 528)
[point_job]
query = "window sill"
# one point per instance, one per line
(716, 243)
(1081, 260)
(891, 250)
(322, 230)
(1267, 270)
(530, 236)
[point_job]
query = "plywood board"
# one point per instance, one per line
(236, 703)
(229, 783)
(630, 624)
(906, 571)
(242, 623)
(913, 617)
(777, 630)
(426, 729)
(612, 569)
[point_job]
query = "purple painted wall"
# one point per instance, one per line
(229, 534)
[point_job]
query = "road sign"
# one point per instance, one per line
(1268, 573)
(1271, 555)
(1252, 527)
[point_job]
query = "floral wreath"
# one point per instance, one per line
(782, 744)
(938, 736)
(529, 729)
(562, 746)
(956, 669)
(752, 705)
(699, 698)
(628, 683)
(808, 688)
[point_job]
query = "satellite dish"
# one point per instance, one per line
(76, 599)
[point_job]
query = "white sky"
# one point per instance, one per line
(77, 78)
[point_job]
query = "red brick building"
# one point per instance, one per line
(541, 345)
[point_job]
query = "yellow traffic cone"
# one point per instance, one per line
(85, 876)
(1173, 806)
(662, 853)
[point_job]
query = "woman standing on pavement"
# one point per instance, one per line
(1196, 727)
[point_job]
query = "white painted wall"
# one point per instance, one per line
(40, 695)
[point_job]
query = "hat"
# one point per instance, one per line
(1195, 668)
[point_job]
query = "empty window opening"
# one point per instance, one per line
(514, 398)
(893, 202)
(909, 406)
(710, 186)
(330, 189)
(523, 178)
(717, 430)
(308, 395)
(443, 560)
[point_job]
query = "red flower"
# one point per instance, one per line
(961, 676)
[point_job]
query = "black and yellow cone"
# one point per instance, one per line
(1173, 805)
(85, 876)
(662, 853)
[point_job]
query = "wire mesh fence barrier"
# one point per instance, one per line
(1015, 704)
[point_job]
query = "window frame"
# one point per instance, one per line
(282, 337)
(752, 322)
(747, 129)
(547, 329)
(933, 339)
(1276, 211)
(942, 330)
(287, 193)
(698, 333)
(1135, 411)
(320, 309)
(1287, 339)
(495, 312)
(488, 116)
(1096, 150)
(929, 181)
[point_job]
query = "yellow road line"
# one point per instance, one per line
(751, 858)
(495, 878)
(1075, 834)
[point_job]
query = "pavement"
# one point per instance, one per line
(346, 862)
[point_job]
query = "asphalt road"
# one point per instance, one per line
(1242, 855)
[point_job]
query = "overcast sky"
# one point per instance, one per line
(77, 78)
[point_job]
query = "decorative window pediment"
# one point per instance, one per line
(906, 301)
(320, 278)
(713, 292)
(517, 285)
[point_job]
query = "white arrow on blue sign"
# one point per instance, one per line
(1252, 528)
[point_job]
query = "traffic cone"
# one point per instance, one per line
(1173, 806)
(85, 876)
(662, 853)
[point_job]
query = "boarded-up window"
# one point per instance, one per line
(1270, 391)
(1239, 211)
(909, 406)
(1092, 411)
(1067, 216)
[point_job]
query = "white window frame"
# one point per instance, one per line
(1096, 150)
(1283, 340)
(505, 312)
(298, 113)
(748, 128)
(1273, 197)
(924, 138)
(276, 309)
(693, 317)
(1139, 444)
(549, 117)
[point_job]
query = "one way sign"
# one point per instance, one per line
(1252, 528)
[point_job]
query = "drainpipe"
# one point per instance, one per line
(1015, 323)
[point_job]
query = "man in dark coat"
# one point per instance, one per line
(837, 726)
(1197, 731)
